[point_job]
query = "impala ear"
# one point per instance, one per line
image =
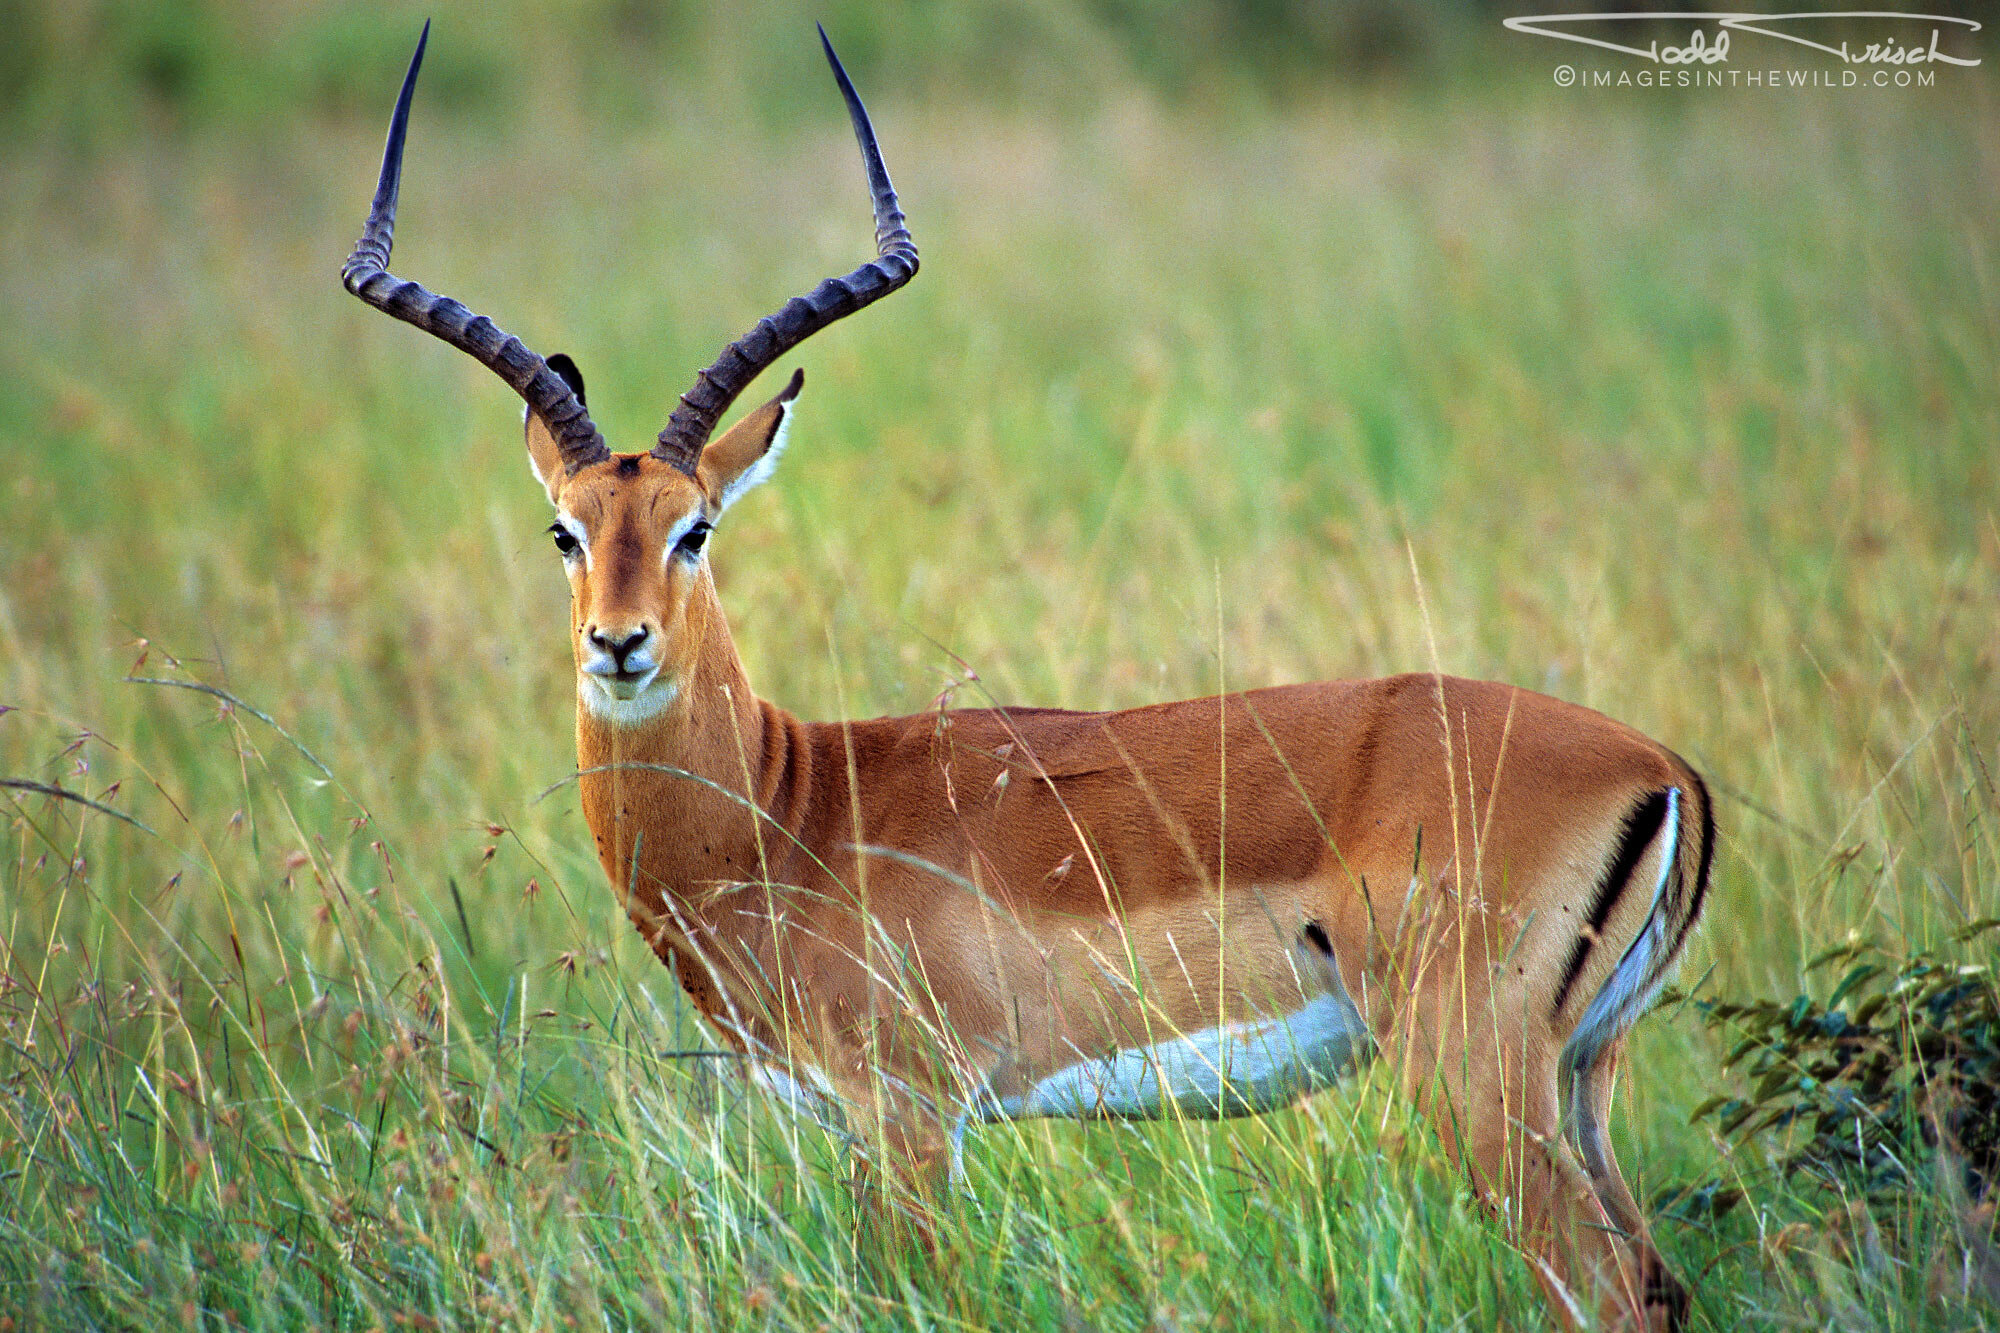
(544, 454)
(746, 454)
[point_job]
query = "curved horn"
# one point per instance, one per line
(802, 316)
(366, 274)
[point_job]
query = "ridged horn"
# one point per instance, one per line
(742, 361)
(367, 275)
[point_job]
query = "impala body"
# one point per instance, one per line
(1204, 908)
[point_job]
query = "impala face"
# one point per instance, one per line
(632, 542)
(632, 532)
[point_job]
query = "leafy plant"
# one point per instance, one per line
(1901, 1060)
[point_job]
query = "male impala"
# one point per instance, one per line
(1204, 908)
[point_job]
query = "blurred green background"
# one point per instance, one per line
(1253, 343)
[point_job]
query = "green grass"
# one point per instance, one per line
(1681, 407)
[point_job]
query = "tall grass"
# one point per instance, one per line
(1683, 408)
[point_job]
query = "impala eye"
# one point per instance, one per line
(565, 539)
(696, 538)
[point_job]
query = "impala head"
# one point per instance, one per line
(632, 529)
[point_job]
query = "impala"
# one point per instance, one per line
(1204, 908)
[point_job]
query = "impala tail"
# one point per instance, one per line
(1664, 849)
(1671, 833)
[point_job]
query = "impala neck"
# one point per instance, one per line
(686, 835)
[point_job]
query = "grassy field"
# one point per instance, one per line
(1680, 406)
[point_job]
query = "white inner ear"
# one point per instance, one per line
(533, 466)
(760, 471)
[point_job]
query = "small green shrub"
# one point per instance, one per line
(1900, 1061)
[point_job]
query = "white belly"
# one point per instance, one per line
(1233, 1070)
(1237, 1069)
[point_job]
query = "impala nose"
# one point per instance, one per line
(622, 646)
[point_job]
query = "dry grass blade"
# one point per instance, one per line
(60, 793)
(200, 687)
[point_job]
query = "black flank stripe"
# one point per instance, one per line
(1641, 826)
(1701, 873)
(1707, 850)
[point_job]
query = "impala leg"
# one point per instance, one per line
(1490, 1090)
(914, 1158)
(897, 1164)
(1590, 1109)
